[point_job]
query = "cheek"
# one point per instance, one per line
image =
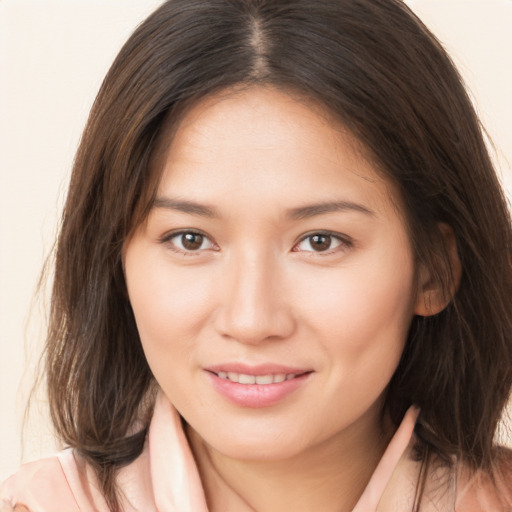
(363, 310)
(168, 306)
(361, 321)
(358, 305)
(169, 309)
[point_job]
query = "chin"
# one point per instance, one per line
(251, 444)
(259, 450)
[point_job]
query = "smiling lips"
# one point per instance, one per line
(256, 387)
(245, 378)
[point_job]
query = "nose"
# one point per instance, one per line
(254, 301)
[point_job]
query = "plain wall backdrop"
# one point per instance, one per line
(53, 56)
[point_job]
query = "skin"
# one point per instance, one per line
(255, 289)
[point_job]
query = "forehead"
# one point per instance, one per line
(259, 140)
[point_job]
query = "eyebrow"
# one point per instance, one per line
(184, 206)
(311, 210)
(298, 213)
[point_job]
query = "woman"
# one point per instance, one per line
(283, 275)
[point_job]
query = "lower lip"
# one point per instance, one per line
(256, 395)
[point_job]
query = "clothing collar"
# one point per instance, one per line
(175, 477)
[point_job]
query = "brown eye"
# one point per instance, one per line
(323, 243)
(320, 242)
(191, 241)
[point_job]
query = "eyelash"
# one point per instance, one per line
(167, 239)
(344, 242)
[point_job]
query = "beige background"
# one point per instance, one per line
(53, 55)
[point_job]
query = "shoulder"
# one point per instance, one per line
(37, 486)
(454, 488)
(53, 484)
(481, 491)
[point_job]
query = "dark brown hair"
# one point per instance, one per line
(373, 66)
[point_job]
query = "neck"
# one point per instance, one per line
(329, 476)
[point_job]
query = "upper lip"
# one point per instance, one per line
(259, 369)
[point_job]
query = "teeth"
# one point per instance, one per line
(264, 379)
(246, 379)
(243, 378)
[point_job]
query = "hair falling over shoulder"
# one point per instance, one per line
(376, 68)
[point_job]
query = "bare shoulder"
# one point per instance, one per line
(38, 486)
(481, 491)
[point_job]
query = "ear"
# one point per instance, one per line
(435, 293)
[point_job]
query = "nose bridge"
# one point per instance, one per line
(254, 307)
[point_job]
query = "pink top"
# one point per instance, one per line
(165, 478)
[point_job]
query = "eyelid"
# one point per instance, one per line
(166, 239)
(345, 242)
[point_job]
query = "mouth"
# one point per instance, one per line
(257, 386)
(248, 379)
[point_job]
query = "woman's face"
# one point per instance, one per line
(273, 283)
